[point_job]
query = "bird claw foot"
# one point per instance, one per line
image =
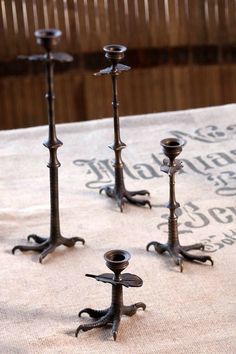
(193, 257)
(159, 247)
(46, 245)
(178, 259)
(108, 190)
(132, 309)
(179, 253)
(108, 316)
(103, 321)
(70, 242)
(37, 238)
(115, 326)
(46, 251)
(139, 202)
(93, 313)
(121, 195)
(37, 247)
(141, 192)
(196, 246)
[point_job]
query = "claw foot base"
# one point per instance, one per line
(121, 195)
(112, 316)
(46, 245)
(179, 253)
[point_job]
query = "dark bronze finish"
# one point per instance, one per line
(117, 261)
(172, 147)
(115, 53)
(48, 38)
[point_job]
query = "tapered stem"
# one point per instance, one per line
(172, 201)
(118, 165)
(173, 205)
(52, 144)
(117, 297)
(50, 96)
(54, 196)
(117, 139)
(115, 105)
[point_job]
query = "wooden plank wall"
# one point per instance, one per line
(182, 54)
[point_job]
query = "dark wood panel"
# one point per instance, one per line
(182, 54)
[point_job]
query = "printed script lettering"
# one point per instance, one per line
(193, 218)
(216, 168)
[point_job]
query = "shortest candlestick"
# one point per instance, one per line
(117, 261)
(172, 147)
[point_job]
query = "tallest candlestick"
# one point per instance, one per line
(115, 53)
(48, 38)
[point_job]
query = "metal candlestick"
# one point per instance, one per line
(117, 261)
(115, 53)
(48, 38)
(172, 148)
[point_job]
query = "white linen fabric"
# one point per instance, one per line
(192, 312)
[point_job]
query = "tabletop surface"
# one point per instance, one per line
(189, 312)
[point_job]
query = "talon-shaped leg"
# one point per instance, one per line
(103, 321)
(178, 252)
(192, 257)
(47, 245)
(178, 259)
(46, 251)
(36, 238)
(120, 194)
(94, 313)
(120, 203)
(37, 248)
(139, 202)
(141, 192)
(108, 190)
(110, 315)
(132, 309)
(159, 247)
(70, 242)
(115, 326)
(196, 246)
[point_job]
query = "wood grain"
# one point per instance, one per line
(182, 54)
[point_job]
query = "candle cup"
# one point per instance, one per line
(48, 38)
(117, 260)
(114, 52)
(172, 147)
